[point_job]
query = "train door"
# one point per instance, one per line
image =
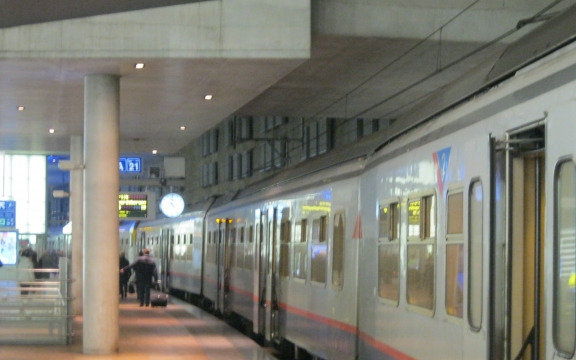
(223, 264)
(165, 246)
(561, 230)
(267, 273)
(525, 167)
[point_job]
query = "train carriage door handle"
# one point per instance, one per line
(263, 297)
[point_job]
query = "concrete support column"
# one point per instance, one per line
(101, 187)
(77, 220)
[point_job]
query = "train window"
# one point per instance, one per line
(421, 252)
(389, 221)
(475, 240)
(338, 252)
(300, 260)
(157, 240)
(319, 253)
(389, 251)
(454, 285)
(414, 218)
(319, 229)
(249, 249)
(388, 285)
(190, 238)
(285, 237)
(564, 313)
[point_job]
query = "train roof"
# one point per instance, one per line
(558, 31)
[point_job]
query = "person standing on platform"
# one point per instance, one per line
(146, 275)
(125, 276)
(25, 270)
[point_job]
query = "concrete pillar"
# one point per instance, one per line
(76, 218)
(101, 187)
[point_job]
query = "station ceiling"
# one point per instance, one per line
(346, 77)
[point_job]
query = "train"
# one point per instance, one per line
(450, 235)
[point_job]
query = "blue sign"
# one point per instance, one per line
(130, 165)
(7, 213)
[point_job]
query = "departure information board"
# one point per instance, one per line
(136, 206)
(7, 213)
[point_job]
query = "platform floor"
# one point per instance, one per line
(180, 331)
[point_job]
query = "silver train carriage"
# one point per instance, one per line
(451, 236)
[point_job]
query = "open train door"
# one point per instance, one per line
(266, 308)
(517, 299)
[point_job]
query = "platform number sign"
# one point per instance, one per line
(7, 213)
(130, 165)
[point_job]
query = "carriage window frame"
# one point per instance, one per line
(557, 281)
(454, 221)
(300, 241)
(475, 243)
(391, 208)
(338, 250)
(427, 212)
(318, 239)
(390, 241)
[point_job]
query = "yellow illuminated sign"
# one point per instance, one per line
(133, 205)
(414, 212)
(321, 206)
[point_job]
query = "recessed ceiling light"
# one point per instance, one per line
(20, 108)
(182, 127)
(208, 97)
(51, 131)
(139, 66)
(154, 151)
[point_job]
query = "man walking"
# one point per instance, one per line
(146, 275)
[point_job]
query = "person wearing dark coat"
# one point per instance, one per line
(124, 276)
(146, 275)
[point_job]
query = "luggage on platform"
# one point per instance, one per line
(158, 300)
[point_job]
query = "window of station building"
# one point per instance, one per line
(475, 258)
(240, 248)
(285, 237)
(338, 251)
(454, 295)
(249, 249)
(421, 252)
(319, 251)
(300, 260)
(564, 311)
(389, 251)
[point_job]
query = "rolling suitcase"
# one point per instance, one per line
(158, 300)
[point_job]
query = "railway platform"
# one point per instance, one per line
(179, 331)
